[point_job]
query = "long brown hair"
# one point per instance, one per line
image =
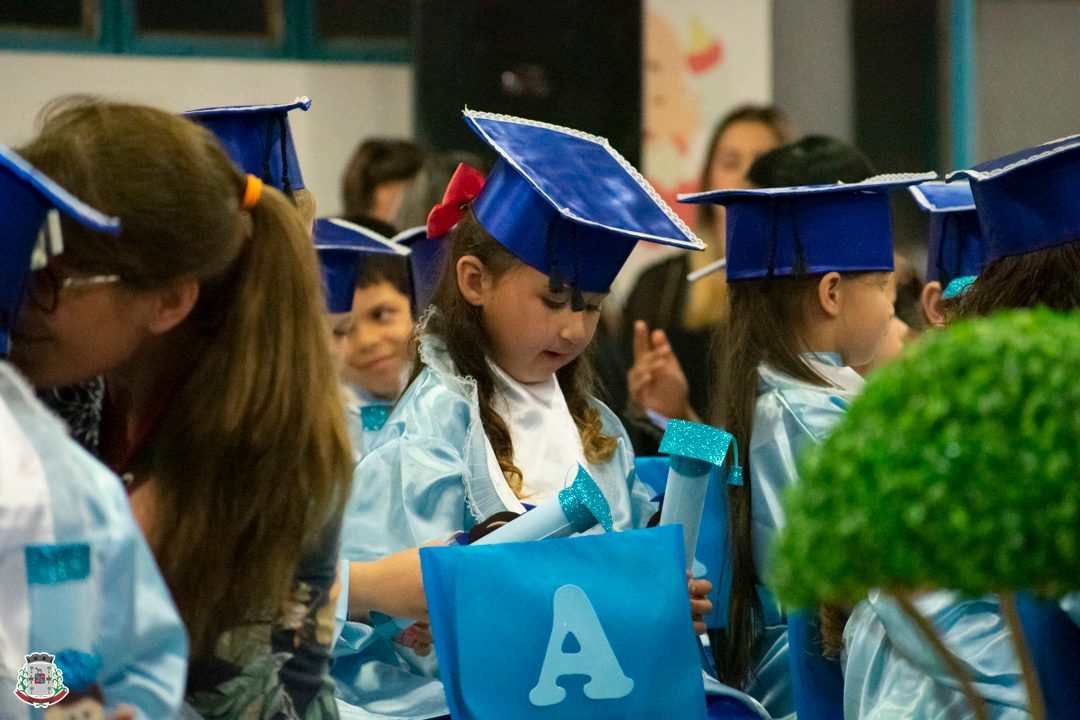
(459, 325)
(764, 327)
(251, 462)
(1049, 277)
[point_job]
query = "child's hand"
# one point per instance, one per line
(700, 605)
(656, 381)
(417, 637)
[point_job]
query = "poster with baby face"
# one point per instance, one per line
(701, 59)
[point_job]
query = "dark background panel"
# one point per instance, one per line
(569, 62)
(50, 14)
(897, 61)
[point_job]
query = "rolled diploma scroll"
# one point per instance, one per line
(579, 507)
(694, 449)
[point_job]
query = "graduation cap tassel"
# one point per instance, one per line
(940, 259)
(577, 300)
(283, 129)
(555, 281)
(798, 264)
(267, 175)
(771, 268)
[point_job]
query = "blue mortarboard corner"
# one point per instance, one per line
(568, 204)
(956, 247)
(594, 626)
(341, 246)
(425, 264)
(843, 227)
(26, 197)
(1027, 201)
(258, 139)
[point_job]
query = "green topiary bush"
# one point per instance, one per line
(958, 467)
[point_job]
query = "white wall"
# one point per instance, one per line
(349, 100)
(813, 65)
(1027, 54)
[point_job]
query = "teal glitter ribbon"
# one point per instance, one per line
(584, 504)
(958, 286)
(52, 564)
(373, 417)
(694, 447)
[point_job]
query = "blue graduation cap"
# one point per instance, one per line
(26, 199)
(843, 227)
(425, 263)
(341, 246)
(956, 247)
(568, 204)
(1028, 200)
(258, 139)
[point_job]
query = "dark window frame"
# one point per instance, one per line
(115, 32)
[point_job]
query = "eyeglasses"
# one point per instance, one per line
(45, 286)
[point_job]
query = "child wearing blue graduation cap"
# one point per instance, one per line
(956, 249)
(368, 320)
(808, 272)
(499, 414)
(1026, 253)
(81, 591)
(206, 384)
(378, 349)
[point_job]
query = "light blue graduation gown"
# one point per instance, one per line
(77, 575)
(789, 416)
(891, 671)
(365, 415)
(425, 477)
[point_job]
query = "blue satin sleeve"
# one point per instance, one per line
(631, 507)
(409, 488)
(891, 671)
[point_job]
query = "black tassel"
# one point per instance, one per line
(286, 184)
(799, 266)
(267, 176)
(577, 300)
(556, 286)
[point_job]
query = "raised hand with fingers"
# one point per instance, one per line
(656, 380)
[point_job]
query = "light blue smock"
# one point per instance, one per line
(891, 671)
(425, 477)
(365, 415)
(77, 573)
(789, 416)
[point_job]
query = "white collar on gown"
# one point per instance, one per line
(547, 445)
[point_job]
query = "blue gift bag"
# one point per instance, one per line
(595, 626)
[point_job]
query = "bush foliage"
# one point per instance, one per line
(958, 467)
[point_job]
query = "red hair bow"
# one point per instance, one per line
(464, 186)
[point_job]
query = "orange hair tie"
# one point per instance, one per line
(252, 192)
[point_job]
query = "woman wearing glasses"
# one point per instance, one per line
(207, 385)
